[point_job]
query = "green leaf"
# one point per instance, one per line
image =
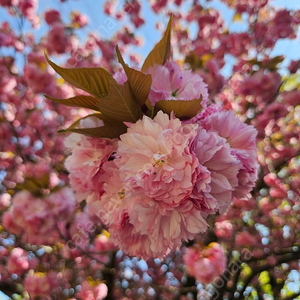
(162, 50)
(120, 104)
(110, 129)
(78, 101)
(139, 82)
(92, 80)
(184, 109)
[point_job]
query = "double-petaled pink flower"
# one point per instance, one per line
(205, 263)
(170, 83)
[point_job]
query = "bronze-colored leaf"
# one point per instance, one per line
(101, 132)
(120, 104)
(198, 62)
(34, 185)
(183, 109)
(270, 64)
(139, 82)
(78, 124)
(162, 50)
(92, 80)
(110, 129)
(78, 101)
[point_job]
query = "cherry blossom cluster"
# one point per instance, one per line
(65, 253)
(36, 218)
(205, 263)
(155, 185)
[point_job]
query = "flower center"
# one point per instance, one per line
(175, 92)
(158, 162)
(121, 194)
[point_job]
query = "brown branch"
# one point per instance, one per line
(8, 288)
(109, 277)
(172, 289)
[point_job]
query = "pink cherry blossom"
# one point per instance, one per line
(242, 141)
(155, 156)
(224, 229)
(80, 229)
(62, 204)
(18, 261)
(9, 2)
(32, 213)
(7, 82)
(92, 291)
(52, 16)
(58, 41)
(205, 264)
(79, 20)
(120, 77)
(39, 285)
(147, 188)
(85, 162)
(10, 224)
(29, 10)
(214, 154)
(245, 238)
(170, 83)
(5, 201)
(262, 86)
(103, 243)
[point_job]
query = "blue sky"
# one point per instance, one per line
(150, 35)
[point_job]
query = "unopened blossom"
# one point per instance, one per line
(170, 83)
